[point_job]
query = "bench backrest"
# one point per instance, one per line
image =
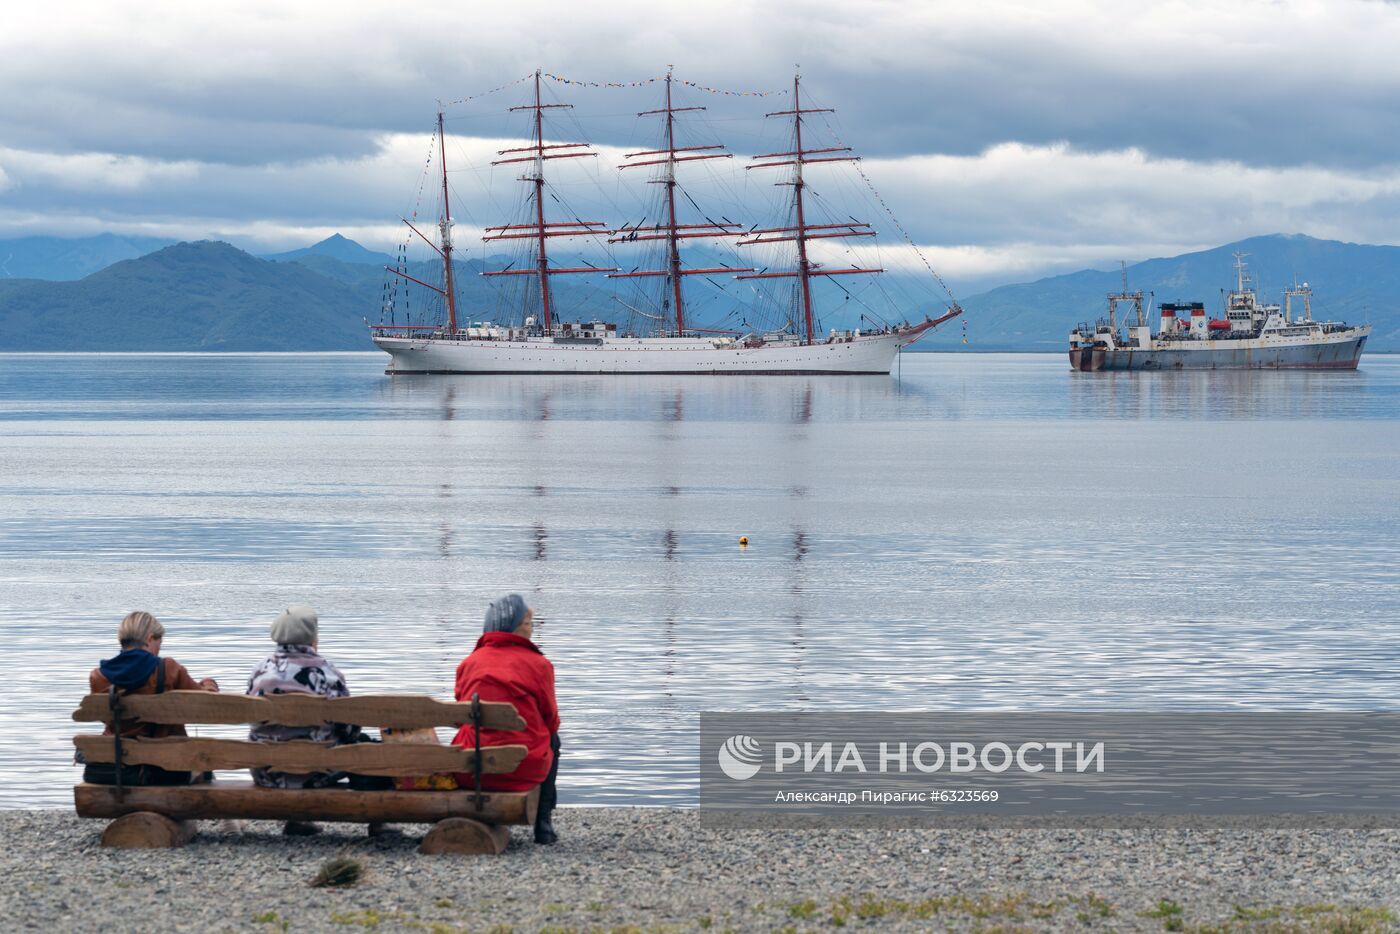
(198, 754)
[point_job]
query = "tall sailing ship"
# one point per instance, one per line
(545, 337)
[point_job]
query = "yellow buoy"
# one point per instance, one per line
(743, 541)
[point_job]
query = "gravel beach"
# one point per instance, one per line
(660, 870)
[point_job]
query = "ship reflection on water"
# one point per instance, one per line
(642, 398)
(990, 385)
(1208, 394)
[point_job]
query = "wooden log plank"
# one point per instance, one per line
(200, 754)
(146, 830)
(405, 711)
(243, 800)
(466, 836)
(423, 735)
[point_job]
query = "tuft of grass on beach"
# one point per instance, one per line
(271, 919)
(338, 872)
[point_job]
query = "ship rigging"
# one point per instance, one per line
(552, 342)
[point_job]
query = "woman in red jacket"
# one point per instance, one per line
(507, 666)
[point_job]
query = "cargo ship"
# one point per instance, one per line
(543, 335)
(1251, 336)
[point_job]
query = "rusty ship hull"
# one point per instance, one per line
(1344, 353)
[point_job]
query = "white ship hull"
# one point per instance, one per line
(867, 353)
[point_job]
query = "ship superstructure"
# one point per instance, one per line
(546, 339)
(1251, 335)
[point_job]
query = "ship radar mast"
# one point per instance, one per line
(1241, 274)
(803, 232)
(540, 229)
(1298, 291)
(672, 232)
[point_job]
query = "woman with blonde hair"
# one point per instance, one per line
(139, 669)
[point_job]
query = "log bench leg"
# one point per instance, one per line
(464, 835)
(147, 830)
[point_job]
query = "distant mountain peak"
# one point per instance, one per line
(200, 247)
(336, 246)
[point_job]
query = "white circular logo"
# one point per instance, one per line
(740, 757)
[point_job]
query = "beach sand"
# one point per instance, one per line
(646, 869)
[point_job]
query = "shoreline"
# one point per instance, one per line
(658, 869)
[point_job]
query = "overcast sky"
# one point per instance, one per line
(1011, 139)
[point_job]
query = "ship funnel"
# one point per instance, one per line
(1198, 319)
(1169, 319)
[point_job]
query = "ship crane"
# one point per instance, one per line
(1125, 296)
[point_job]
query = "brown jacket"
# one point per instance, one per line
(176, 679)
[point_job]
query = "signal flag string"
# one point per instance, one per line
(645, 81)
(508, 84)
(423, 178)
(905, 234)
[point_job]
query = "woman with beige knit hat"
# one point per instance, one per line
(296, 667)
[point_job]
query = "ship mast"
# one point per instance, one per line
(540, 229)
(446, 236)
(444, 247)
(671, 231)
(802, 233)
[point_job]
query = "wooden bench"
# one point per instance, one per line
(464, 821)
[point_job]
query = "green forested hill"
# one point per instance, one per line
(191, 296)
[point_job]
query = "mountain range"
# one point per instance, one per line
(1350, 281)
(210, 295)
(64, 259)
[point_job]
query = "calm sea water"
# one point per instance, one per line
(984, 532)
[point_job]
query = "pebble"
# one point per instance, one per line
(660, 869)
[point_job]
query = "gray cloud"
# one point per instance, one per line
(1011, 136)
(1263, 82)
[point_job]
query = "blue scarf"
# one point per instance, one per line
(131, 669)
